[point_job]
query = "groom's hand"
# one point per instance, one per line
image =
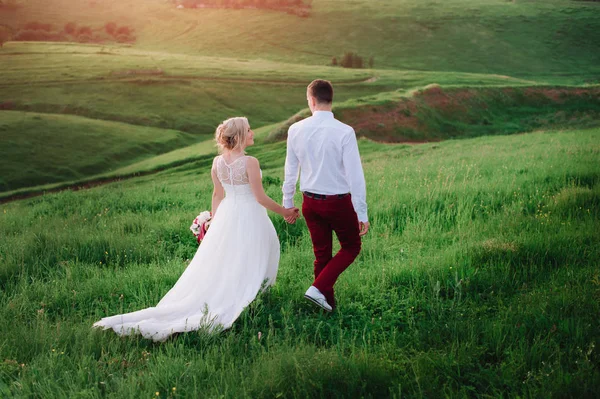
(292, 218)
(364, 228)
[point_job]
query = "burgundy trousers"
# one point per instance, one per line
(323, 217)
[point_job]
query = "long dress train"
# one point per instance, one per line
(239, 254)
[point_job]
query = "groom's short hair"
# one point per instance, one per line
(322, 90)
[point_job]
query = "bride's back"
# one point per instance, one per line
(234, 176)
(233, 173)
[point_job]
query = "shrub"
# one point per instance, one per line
(84, 31)
(294, 7)
(124, 31)
(110, 28)
(353, 60)
(36, 31)
(70, 28)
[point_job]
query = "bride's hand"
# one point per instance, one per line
(291, 214)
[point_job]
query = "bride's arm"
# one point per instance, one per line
(218, 192)
(253, 169)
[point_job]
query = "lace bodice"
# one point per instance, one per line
(233, 174)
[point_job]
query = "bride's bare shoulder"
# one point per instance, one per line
(252, 163)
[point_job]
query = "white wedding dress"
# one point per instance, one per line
(239, 254)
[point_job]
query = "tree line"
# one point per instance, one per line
(9, 4)
(296, 7)
(71, 31)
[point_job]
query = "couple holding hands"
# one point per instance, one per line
(241, 250)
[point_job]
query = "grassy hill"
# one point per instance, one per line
(479, 276)
(184, 92)
(190, 69)
(435, 113)
(556, 38)
(43, 148)
(191, 156)
(429, 114)
(170, 91)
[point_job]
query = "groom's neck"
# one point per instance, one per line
(322, 108)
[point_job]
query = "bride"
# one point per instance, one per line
(239, 253)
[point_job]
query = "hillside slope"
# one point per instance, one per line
(554, 38)
(437, 113)
(184, 92)
(42, 148)
(479, 276)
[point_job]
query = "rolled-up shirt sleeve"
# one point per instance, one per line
(355, 176)
(292, 166)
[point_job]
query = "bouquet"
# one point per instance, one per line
(200, 225)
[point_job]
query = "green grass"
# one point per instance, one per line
(198, 152)
(439, 113)
(479, 278)
(193, 93)
(435, 113)
(429, 114)
(554, 38)
(43, 148)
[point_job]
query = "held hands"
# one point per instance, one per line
(364, 228)
(291, 215)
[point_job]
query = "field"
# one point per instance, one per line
(480, 277)
(479, 128)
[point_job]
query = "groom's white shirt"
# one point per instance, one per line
(326, 152)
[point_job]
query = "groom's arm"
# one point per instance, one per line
(292, 166)
(355, 176)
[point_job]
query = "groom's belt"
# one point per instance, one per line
(323, 196)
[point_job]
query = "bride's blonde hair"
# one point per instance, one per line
(231, 134)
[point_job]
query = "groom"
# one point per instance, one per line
(333, 186)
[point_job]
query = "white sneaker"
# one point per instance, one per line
(315, 296)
